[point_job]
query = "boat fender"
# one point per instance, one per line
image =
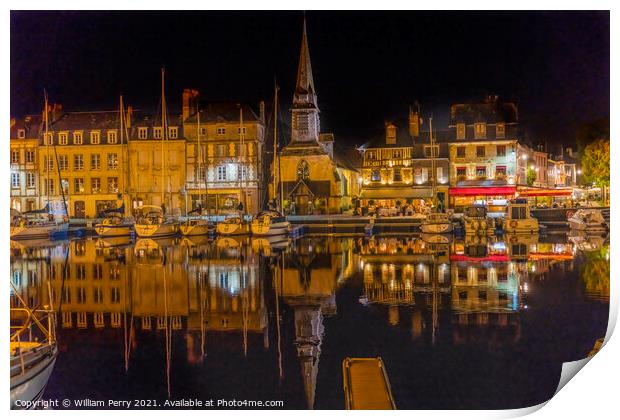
(513, 224)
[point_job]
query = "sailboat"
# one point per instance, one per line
(36, 224)
(236, 225)
(114, 222)
(435, 222)
(33, 352)
(152, 220)
(198, 225)
(272, 222)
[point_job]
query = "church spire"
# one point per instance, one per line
(305, 82)
(305, 112)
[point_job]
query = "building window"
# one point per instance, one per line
(63, 139)
(173, 132)
(64, 185)
(112, 184)
(500, 172)
(142, 133)
(112, 161)
(500, 131)
(221, 131)
(49, 187)
(95, 185)
(439, 174)
(21, 133)
(78, 162)
(480, 130)
(30, 180)
(428, 150)
(157, 132)
(203, 131)
(15, 180)
(461, 171)
(460, 151)
(29, 156)
(221, 150)
(371, 155)
(397, 154)
(15, 157)
(460, 131)
(480, 151)
(240, 130)
(221, 173)
(63, 162)
(78, 185)
(481, 171)
(95, 137)
(97, 294)
(78, 137)
(303, 170)
(49, 163)
(112, 137)
(397, 175)
(242, 173)
(95, 161)
(501, 150)
(48, 139)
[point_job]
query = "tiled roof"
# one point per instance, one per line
(491, 110)
(213, 112)
(31, 123)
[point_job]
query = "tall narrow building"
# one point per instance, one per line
(315, 178)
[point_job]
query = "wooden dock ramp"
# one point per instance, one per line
(366, 384)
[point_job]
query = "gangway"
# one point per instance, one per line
(366, 384)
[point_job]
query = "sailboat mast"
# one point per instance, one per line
(122, 117)
(47, 155)
(163, 136)
(433, 171)
(240, 157)
(275, 145)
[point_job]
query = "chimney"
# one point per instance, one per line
(414, 122)
(190, 103)
(129, 116)
(390, 133)
(262, 111)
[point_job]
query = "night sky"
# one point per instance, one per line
(368, 66)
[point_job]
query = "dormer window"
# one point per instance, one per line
(203, 131)
(112, 137)
(460, 131)
(241, 130)
(157, 131)
(21, 133)
(221, 131)
(78, 137)
(142, 133)
(173, 132)
(95, 137)
(500, 131)
(63, 139)
(48, 139)
(480, 130)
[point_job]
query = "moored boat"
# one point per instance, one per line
(233, 226)
(35, 225)
(476, 222)
(270, 223)
(33, 355)
(437, 223)
(114, 223)
(152, 223)
(589, 220)
(518, 218)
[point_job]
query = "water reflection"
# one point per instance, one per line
(276, 298)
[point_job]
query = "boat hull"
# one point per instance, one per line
(232, 229)
(270, 229)
(436, 227)
(196, 230)
(112, 230)
(586, 227)
(36, 232)
(28, 388)
(521, 226)
(156, 230)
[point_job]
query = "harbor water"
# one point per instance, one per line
(460, 323)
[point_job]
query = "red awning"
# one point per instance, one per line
(551, 192)
(456, 191)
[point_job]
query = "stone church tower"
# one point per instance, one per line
(314, 179)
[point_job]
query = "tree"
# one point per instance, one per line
(595, 163)
(592, 131)
(530, 176)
